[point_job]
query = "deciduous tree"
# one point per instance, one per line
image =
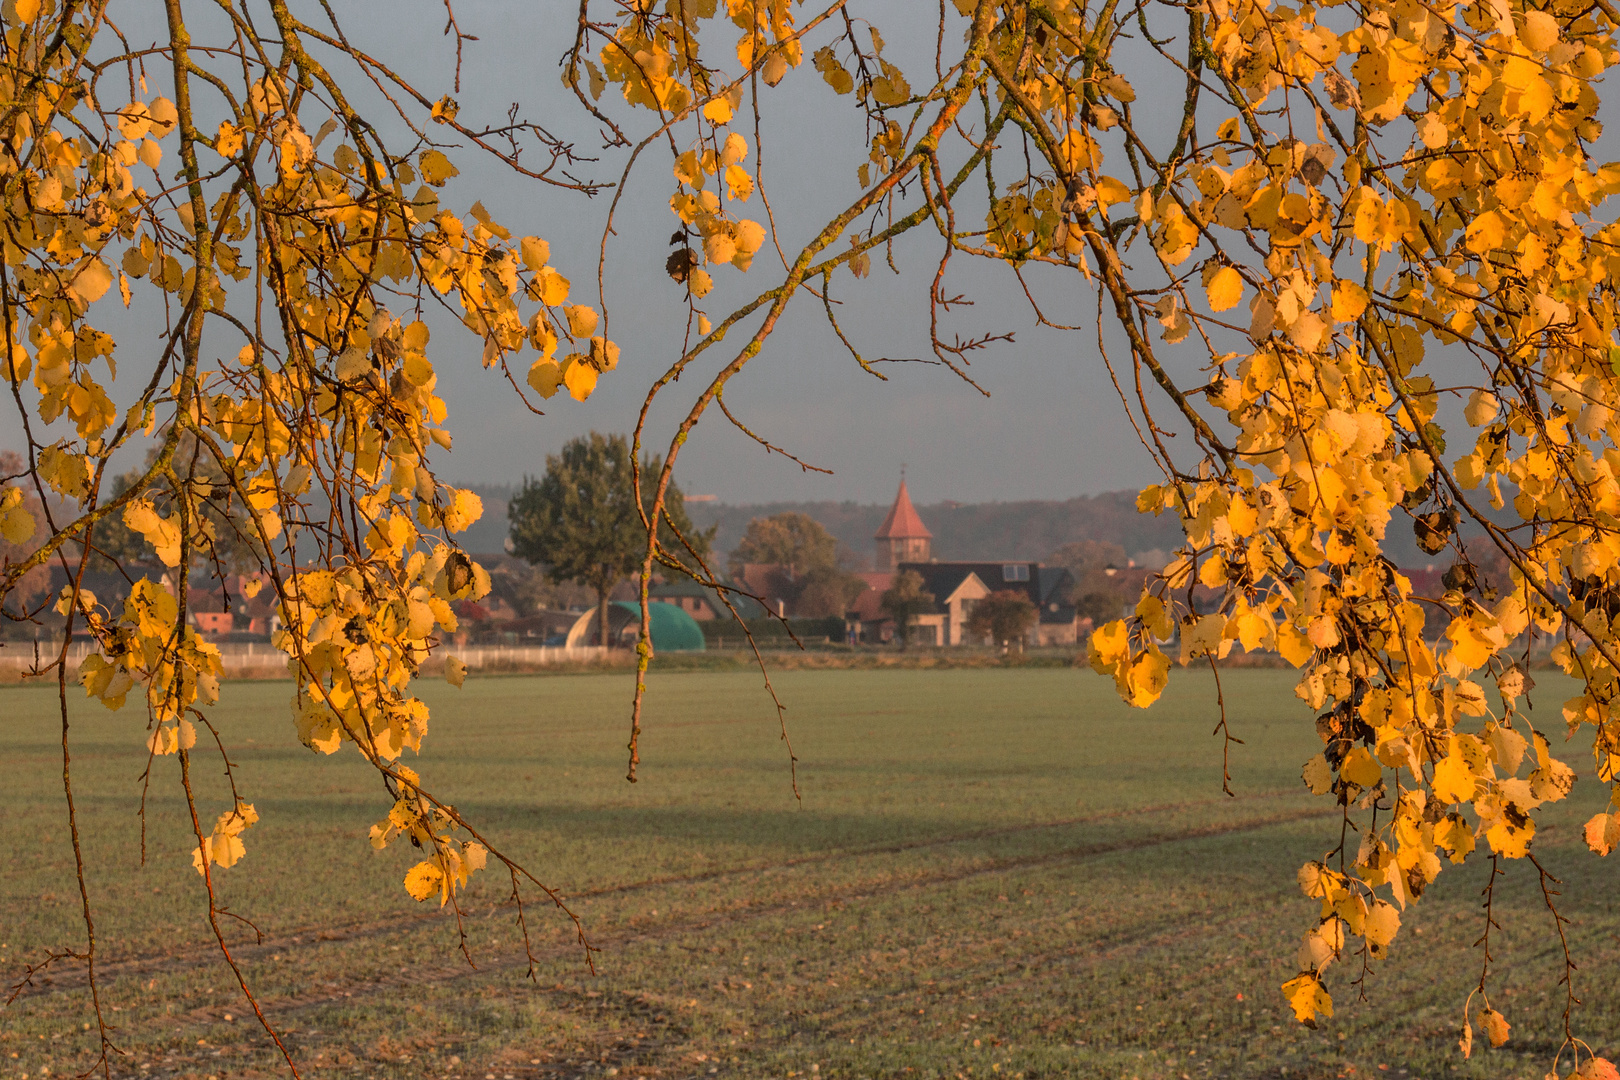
(904, 600)
(1357, 214)
(582, 520)
(793, 540)
(1099, 589)
(1002, 617)
(809, 576)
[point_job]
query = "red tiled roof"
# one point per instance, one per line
(903, 522)
(869, 604)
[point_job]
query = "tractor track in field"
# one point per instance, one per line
(152, 965)
(508, 961)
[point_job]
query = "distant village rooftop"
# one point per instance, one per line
(902, 537)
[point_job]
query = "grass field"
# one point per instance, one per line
(994, 873)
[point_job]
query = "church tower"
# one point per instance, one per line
(903, 537)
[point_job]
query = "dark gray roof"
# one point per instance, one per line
(746, 606)
(1045, 586)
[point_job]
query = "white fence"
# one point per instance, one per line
(250, 655)
(500, 656)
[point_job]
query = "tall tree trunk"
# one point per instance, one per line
(602, 615)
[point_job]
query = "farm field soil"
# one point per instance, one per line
(990, 873)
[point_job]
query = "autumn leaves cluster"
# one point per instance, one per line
(1376, 231)
(1433, 208)
(281, 236)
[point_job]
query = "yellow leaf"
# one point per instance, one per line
(1383, 922)
(318, 728)
(1318, 775)
(545, 376)
(464, 511)
(17, 525)
(455, 672)
(1294, 646)
(1111, 192)
(134, 120)
(1540, 33)
(1454, 835)
(1481, 408)
(579, 376)
(1254, 628)
(163, 534)
(164, 116)
(1147, 678)
(604, 354)
(1603, 833)
(719, 247)
(581, 320)
(92, 282)
(1510, 834)
(739, 185)
(1470, 647)
(1109, 645)
(1323, 632)
(1225, 289)
(436, 168)
(1307, 997)
(417, 369)
(1432, 130)
(1486, 233)
(225, 849)
(1155, 619)
(1495, 1024)
(1454, 781)
(423, 880)
(228, 141)
(1118, 87)
(550, 287)
(1361, 768)
(535, 251)
(718, 111)
(1349, 301)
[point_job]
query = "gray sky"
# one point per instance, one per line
(1051, 428)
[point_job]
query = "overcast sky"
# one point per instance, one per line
(1051, 428)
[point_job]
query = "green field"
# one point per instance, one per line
(991, 873)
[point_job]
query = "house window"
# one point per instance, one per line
(1015, 572)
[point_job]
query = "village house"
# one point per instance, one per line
(223, 610)
(702, 602)
(904, 543)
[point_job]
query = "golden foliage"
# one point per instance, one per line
(1405, 195)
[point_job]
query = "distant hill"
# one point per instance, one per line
(1010, 530)
(969, 531)
(978, 531)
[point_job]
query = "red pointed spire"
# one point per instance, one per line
(903, 522)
